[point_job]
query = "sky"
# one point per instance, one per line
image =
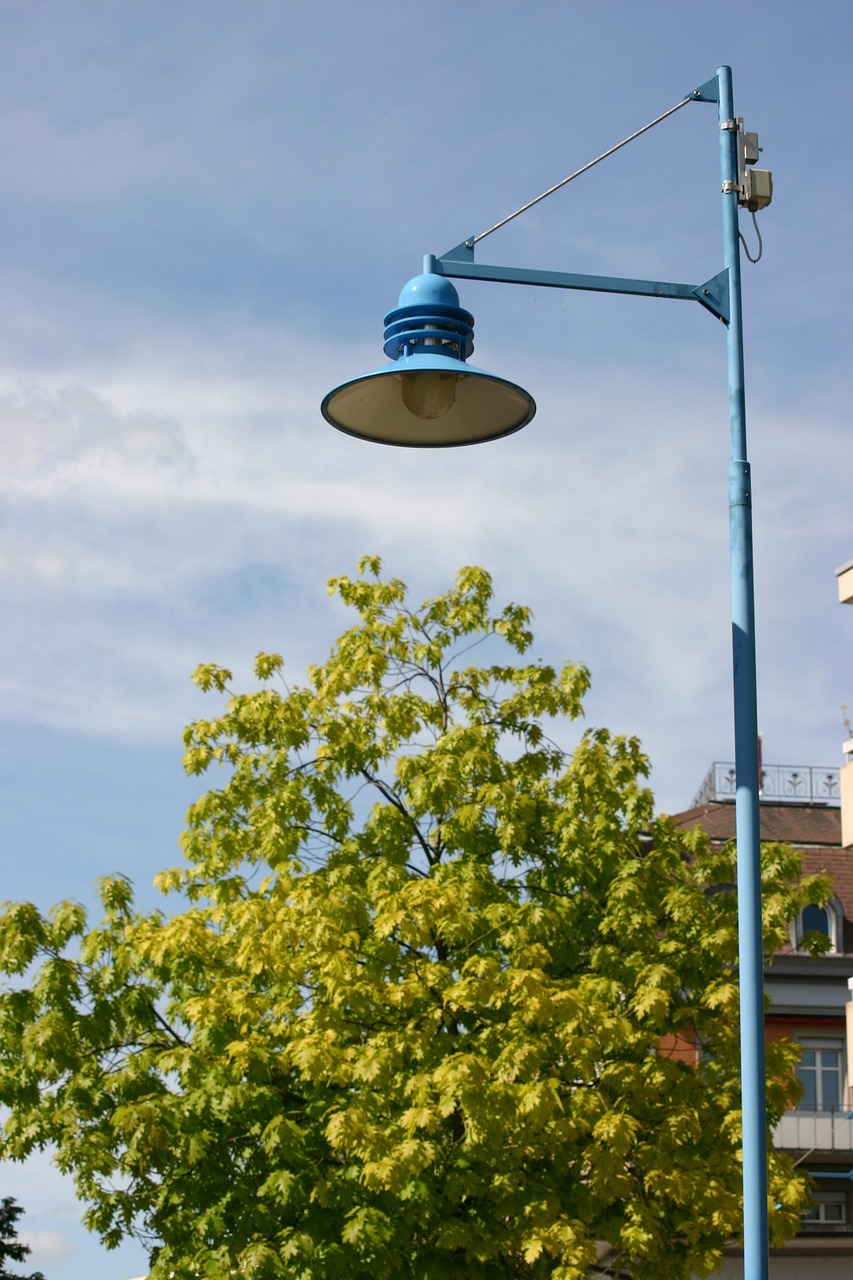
(206, 209)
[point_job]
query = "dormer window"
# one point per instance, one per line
(814, 919)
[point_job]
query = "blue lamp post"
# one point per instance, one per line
(430, 397)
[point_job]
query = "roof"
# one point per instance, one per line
(806, 826)
(813, 829)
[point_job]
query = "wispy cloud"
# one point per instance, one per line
(53, 441)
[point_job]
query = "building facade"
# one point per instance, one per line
(810, 1003)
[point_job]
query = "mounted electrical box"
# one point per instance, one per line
(757, 189)
(755, 185)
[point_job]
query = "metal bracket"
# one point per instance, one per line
(714, 295)
(731, 125)
(707, 92)
(459, 264)
(729, 187)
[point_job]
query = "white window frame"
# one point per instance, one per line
(834, 922)
(817, 1046)
(816, 1215)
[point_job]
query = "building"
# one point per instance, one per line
(810, 999)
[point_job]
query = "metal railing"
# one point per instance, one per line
(780, 784)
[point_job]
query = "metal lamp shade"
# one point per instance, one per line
(428, 401)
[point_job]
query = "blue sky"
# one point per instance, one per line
(205, 211)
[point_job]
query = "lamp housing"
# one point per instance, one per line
(429, 396)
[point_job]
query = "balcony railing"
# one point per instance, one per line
(780, 784)
(815, 1131)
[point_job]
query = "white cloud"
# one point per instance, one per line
(55, 439)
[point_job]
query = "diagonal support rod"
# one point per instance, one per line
(584, 168)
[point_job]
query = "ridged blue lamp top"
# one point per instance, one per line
(429, 317)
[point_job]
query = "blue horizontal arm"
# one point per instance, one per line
(459, 263)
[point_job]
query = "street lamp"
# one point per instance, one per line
(430, 397)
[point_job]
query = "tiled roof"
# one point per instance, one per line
(802, 825)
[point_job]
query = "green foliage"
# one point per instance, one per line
(422, 1007)
(11, 1249)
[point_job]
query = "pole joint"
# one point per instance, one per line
(740, 485)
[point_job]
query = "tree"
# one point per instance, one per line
(11, 1249)
(421, 1008)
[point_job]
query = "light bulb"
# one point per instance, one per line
(429, 393)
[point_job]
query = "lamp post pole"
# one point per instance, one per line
(751, 950)
(430, 397)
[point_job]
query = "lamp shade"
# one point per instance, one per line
(376, 406)
(429, 397)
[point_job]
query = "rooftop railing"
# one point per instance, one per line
(780, 784)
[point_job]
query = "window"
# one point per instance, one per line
(820, 1073)
(815, 918)
(827, 920)
(829, 1209)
